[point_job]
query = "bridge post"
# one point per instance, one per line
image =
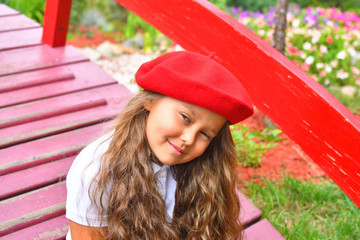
(56, 21)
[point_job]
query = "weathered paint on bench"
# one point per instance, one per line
(31, 208)
(55, 228)
(37, 57)
(17, 22)
(87, 76)
(44, 150)
(326, 130)
(7, 11)
(7, 40)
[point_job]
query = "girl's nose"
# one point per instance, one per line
(188, 137)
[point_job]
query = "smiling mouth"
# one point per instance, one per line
(175, 148)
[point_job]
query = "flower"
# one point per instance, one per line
(323, 49)
(355, 70)
(309, 60)
(304, 66)
(319, 65)
(323, 73)
(306, 46)
(342, 74)
(341, 55)
(292, 50)
(329, 39)
(296, 23)
(328, 68)
(334, 63)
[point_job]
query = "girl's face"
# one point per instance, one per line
(178, 132)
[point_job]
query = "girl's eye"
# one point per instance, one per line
(205, 134)
(185, 117)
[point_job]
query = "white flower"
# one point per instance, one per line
(341, 55)
(315, 37)
(309, 60)
(261, 32)
(328, 68)
(302, 55)
(342, 74)
(323, 49)
(319, 65)
(295, 23)
(307, 46)
(351, 50)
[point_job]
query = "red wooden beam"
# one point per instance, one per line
(326, 130)
(56, 21)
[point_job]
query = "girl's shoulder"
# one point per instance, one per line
(83, 171)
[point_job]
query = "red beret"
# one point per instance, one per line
(199, 80)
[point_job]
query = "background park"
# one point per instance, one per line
(322, 39)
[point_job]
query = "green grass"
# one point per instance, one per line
(307, 210)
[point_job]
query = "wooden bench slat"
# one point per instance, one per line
(7, 11)
(48, 112)
(19, 39)
(37, 57)
(35, 177)
(54, 125)
(87, 76)
(17, 22)
(249, 213)
(32, 208)
(44, 150)
(55, 228)
(72, 102)
(262, 230)
(7, 85)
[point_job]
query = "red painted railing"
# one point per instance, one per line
(326, 130)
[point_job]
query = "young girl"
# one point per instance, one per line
(167, 168)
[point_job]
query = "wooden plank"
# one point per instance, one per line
(21, 38)
(313, 118)
(7, 11)
(35, 177)
(31, 208)
(249, 213)
(37, 57)
(65, 122)
(56, 21)
(44, 150)
(8, 85)
(62, 104)
(262, 230)
(87, 76)
(17, 22)
(55, 228)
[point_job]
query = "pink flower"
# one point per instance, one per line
(292, 50)
(323, 73)
(334, 63)
(329, 40)
(304, 66)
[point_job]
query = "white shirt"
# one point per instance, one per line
(84, 168)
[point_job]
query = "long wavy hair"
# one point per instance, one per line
(206, 205)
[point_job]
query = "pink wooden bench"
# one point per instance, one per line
(53, 102)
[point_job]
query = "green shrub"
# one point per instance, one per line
(252, 145)
(251, 5)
